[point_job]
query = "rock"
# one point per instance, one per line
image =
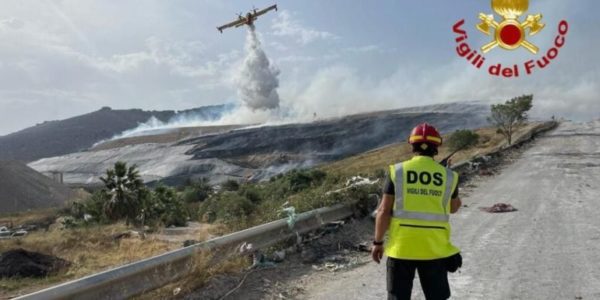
(22, 263)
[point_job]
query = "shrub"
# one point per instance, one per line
(251, 192)
(230, 185)
(167, 207)
(197, 191)
(462, 139)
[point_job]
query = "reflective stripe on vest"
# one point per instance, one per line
(399, 211)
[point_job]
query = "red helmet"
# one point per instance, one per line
(425, 133)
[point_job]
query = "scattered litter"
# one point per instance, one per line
(127, 235)
(278, 256)
(6, 233)
(291, 213)
(359, 180)
(334, 258)
(246, 248)
(355, 181)
(20, 232)
(331, 267)
(176, 291)
(499, 208)
(364, 247)
(88, 217)
(485, 172)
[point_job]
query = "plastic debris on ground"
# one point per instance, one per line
(499, 208)
(355, 181)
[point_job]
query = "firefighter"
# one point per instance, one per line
(418, 197)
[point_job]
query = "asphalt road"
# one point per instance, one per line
(548, 249)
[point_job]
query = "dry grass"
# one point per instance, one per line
(205, 267)
(90, 250)
(93, 249)
(369, 162)
(29, 217)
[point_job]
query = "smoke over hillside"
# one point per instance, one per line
(257, 80)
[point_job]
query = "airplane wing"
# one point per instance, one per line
(236, 23)
(264, 11)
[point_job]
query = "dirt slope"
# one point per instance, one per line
(22, 188)
(546, 250)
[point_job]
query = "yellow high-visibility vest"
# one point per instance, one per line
(419, 228)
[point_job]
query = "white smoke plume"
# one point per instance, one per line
(257, 80)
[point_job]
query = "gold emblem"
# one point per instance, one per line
(510, 32)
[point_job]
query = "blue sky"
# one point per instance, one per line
(63, 58)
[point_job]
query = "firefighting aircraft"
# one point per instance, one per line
(249, 19)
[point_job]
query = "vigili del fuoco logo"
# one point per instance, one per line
(510, 32)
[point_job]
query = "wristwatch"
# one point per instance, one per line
(377, 243)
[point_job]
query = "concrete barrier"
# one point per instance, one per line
(537, 130)
(152, 273)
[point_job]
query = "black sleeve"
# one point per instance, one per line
(455, 194)
(388, 187)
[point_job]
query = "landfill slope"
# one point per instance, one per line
(22, 189)
(258, 152)
(548, 249)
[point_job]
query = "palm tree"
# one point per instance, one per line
(126, 190)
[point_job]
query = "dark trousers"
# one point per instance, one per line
(433, 275)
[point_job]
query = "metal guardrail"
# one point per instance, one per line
(152, 273)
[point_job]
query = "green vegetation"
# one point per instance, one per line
(197, 191)
(257, 203)
(509, 116)
(125, 193)
(125, 197)
(462, 139)
(238, 206)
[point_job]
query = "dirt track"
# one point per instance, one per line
(546, 250)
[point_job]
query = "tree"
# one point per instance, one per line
(462, 139)
(509, 116)
(125, 191)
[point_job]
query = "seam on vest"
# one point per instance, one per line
(449, 184)
(420, 216)
(399, 186)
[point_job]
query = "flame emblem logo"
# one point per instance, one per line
(510, 33)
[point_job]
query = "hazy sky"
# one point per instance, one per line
(63, 58)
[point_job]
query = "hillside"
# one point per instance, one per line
(259, 152)
(22, 188)
(55, 138)
(379, 159)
